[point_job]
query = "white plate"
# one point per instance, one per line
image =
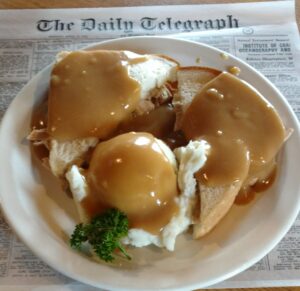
(44, 217)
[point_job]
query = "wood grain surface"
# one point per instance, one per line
(33, 4)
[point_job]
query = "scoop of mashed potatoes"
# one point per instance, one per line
(189, 160)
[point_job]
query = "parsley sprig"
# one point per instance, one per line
(103, 233)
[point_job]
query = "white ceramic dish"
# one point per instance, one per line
(44, 217)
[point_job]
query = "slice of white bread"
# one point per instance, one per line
(63, 154)
(190, 81)
(152, 74)
(215, 202)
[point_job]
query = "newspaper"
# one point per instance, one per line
(263, 34)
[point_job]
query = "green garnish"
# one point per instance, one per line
(103, 233)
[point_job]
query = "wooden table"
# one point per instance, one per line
(25, 4)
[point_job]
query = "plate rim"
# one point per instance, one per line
(227, 274)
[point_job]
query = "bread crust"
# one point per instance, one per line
(183, 99)
(195, 68)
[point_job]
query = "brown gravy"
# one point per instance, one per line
(39, 118)
(159, 122)
(247, 194)
(228, 111)
(218, 171)
(117, 177)
(90, 93)
(39, 151)
(39, 121)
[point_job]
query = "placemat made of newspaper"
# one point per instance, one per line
(263, 34)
